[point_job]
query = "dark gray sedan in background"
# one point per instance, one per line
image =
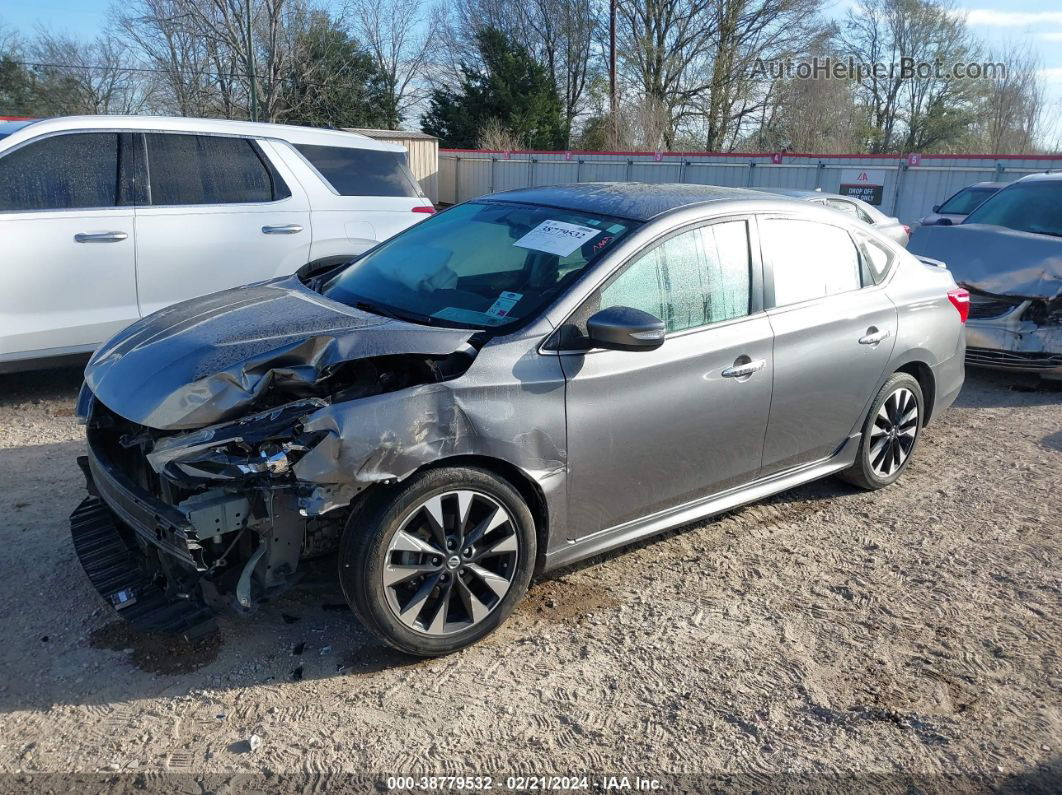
(517, 383)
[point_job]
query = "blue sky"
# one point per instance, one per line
(1038, 22)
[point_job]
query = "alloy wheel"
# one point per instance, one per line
(451, 562)
(893, 434)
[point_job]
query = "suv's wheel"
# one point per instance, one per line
(438, 563)
(890, 434)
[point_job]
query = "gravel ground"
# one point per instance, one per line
(913, 632)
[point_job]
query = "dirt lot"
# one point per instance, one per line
(916, 631)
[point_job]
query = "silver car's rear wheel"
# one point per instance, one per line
(451, 562)
(892, 436)
(890, 433)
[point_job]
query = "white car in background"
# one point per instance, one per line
(891, 227)
(106, 219)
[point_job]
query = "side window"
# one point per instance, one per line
(362, 172)
(809, 259)
(692, 279)
(878, 259)
(209, 169)
(63, 172)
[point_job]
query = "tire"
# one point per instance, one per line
(873, 469)
(412, 591)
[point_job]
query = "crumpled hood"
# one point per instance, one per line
(207, 360)
(994, 259)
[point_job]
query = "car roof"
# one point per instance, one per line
(1050, 176)
(638, 201)
(985, 185)
(309, 136)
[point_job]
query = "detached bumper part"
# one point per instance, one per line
(115, 570)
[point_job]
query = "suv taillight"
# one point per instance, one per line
(960, 299)
(424, 209)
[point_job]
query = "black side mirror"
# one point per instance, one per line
(936, 208)
(622, 328)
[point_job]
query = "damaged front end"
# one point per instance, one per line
(1014, 333)
(1015, 283)
(182, 521)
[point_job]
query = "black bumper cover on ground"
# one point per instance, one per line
(116, 569)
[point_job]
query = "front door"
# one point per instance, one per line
(834, 332)
(67, 269)
(219, 215)
(651, 430)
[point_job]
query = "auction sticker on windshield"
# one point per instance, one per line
(557, 237)
(503, 306)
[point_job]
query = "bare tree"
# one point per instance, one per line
(400, 35)
(1012, 107)
(185, 63)
(87, 77)
(911, 111)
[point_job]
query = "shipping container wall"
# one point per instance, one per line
(905, 187)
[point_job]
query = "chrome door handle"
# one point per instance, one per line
(875, 337)
(100, 237)
(741, 370)
(286, 229)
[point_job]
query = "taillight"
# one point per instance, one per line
(424, 209)
(960, 299)
(907, 229)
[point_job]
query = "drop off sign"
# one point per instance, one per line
(862, 183)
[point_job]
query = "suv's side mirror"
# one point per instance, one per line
(936, 208)
(623, 328)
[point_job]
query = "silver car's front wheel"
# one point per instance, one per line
(890, 433)
(892, 436)
(439, 561)
(451, 562)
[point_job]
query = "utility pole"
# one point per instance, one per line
(250, 63)
(613, 104)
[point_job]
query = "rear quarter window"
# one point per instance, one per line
(362, 172)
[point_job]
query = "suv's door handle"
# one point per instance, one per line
(873, 337)
(742, 370)
(100, 237)
(286, 229)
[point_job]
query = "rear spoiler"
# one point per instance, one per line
(933, 263)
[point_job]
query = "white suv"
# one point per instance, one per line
(104, 219)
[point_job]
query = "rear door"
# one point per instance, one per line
(651, 430)
(834, 332)
(67, 279)
(218, 215)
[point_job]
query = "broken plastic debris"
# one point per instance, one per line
(254, 742)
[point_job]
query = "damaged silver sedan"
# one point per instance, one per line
(1008, 253)
(515, 384)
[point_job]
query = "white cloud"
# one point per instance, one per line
(990, 18)
(1055, 35)
(1052, 74)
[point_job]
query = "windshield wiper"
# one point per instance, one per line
(394, 314)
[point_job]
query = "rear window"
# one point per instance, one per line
(362, 172)
(63, 172)
(209, 169)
